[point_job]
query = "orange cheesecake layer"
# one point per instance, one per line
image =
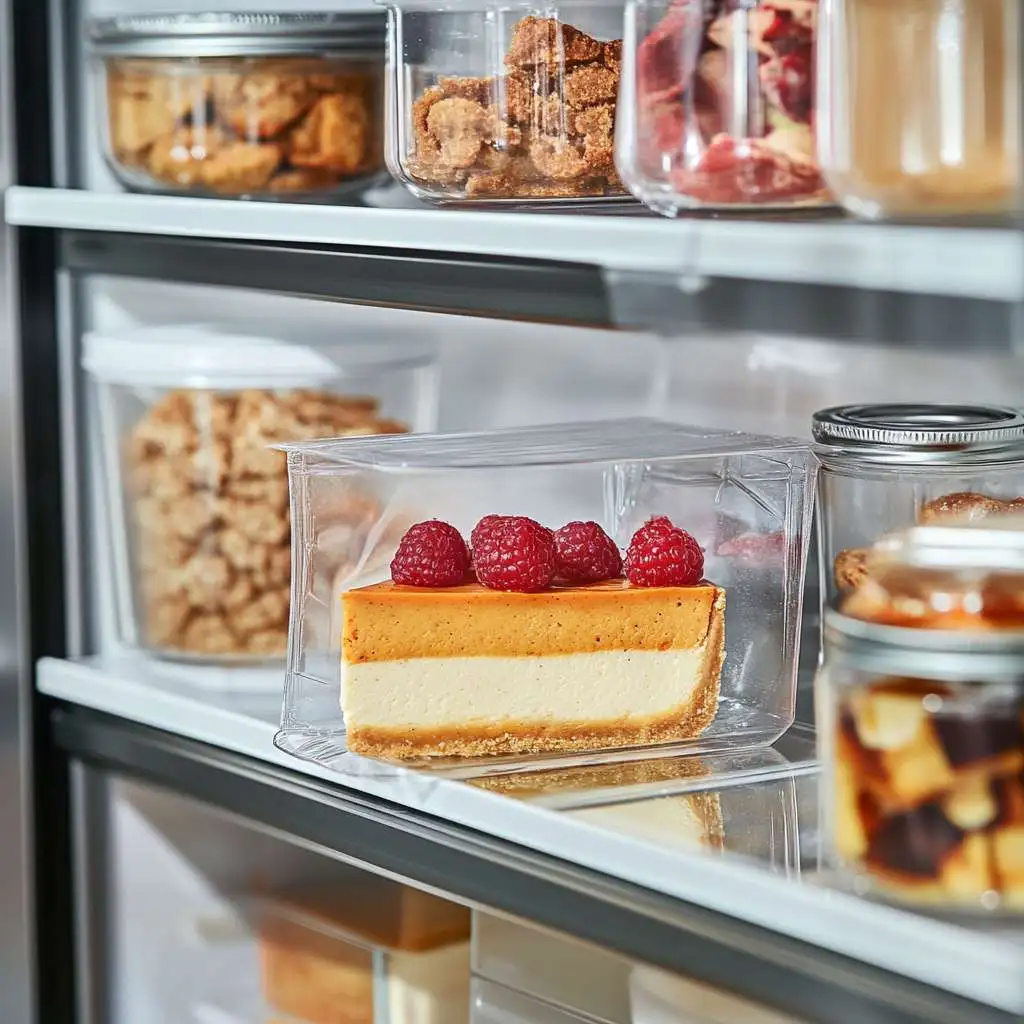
(387, 622)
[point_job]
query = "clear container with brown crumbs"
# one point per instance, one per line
(197, 501)
(508, 102)
(921, 719)
(247, 105)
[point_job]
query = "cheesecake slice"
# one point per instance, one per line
(467, 671)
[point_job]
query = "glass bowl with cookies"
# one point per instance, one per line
(504, 103)
(244, 105)
(195, 496)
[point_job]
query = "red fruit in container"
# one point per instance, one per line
(431, 554)
(513, 553)
(663, 555)
(584, 553)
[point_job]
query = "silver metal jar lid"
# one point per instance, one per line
(920, 434)
(995, 656)
(238, 34)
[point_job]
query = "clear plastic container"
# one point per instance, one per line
(345, 959)
(508, 102)
(196, 501)
(885, 467)
(658, 997)
(717, 105)
(495, 1004)
(556, 969)
(257, 105)
(595, 674)
(919, 106)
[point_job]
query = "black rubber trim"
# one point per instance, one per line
(478, 869)
(436, 282)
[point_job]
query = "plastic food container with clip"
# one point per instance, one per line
(745, 498)
(919, 106)
(507, 103)
(921, 719)
(886, 467)
(261, 105)
(197, 503)
(717, 108)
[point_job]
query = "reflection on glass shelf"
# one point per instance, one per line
(611, 781)
(772, 822)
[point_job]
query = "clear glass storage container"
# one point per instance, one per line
(504, 102)
(658, 997)
(921, 721)
(717, 107)
(197, 502)
(353, 960)
(919, 106)
(885, 467)
(257, 105)
(466, 677)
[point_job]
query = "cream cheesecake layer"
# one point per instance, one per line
(472, 706)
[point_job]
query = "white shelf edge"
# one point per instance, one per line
(975, 963)
(984, 263)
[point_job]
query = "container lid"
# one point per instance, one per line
(920, 434)
(990, 546)
(625, 440)
(210, 356)
(996, 656)
(239, 34)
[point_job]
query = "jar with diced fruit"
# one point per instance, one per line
(888, 467)
(245, 105)
(510, 103)
(197, 496)
(717, 108)
(921, 719)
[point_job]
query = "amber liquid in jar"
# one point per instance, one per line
(919, 105)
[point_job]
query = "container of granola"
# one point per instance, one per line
(921, 719)
(509, 102)
(196, 498)
(249, 105)
(889, 467)
(717, 108)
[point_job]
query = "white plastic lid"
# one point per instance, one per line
(252, 356)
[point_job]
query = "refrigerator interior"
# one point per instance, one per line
(176, 865)
(193, 938)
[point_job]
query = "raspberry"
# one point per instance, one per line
(662, 555)
(513, 553)
(484, 528)
(584, 553)
(431, 554)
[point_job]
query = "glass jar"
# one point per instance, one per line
(886, 467)
(196, 498)
(254, 105)
(922, 728)
(967, 575)
(717, 104)
(510, 102)
(919, 106)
